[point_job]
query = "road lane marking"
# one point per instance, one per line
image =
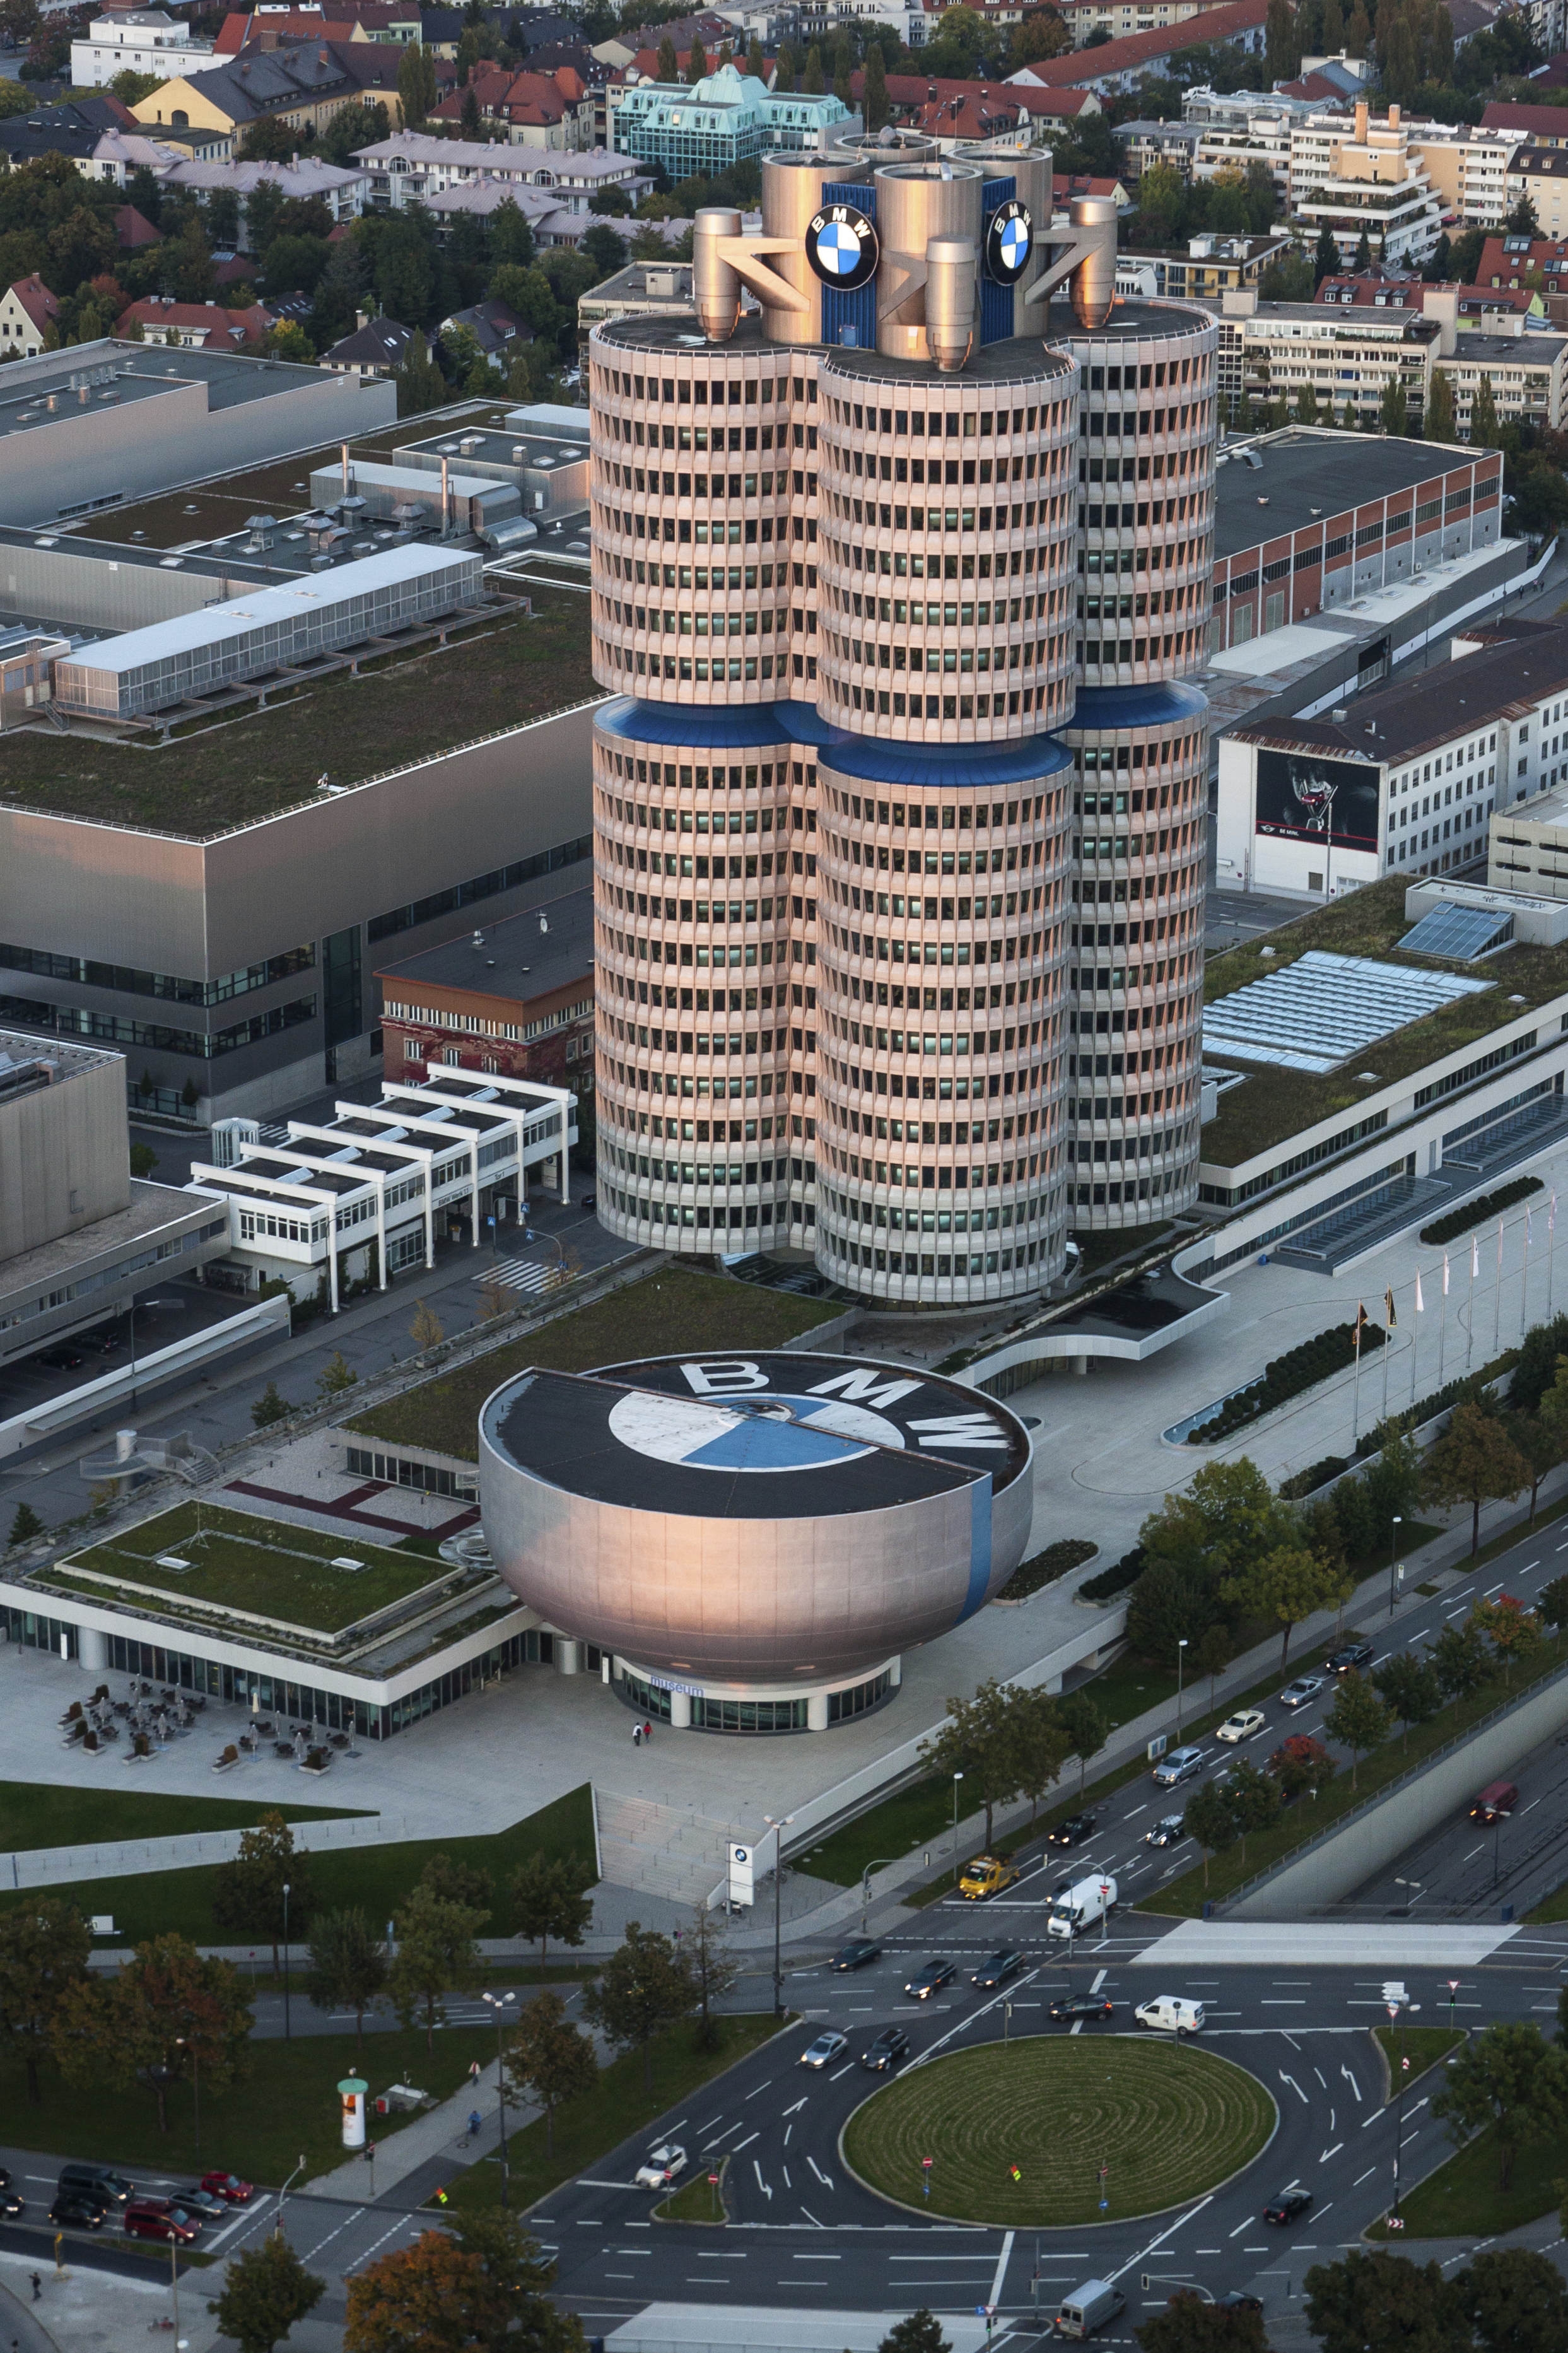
(1002, 2262)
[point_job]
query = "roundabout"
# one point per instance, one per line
(1019, 2132)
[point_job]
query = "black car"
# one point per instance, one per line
(1081, 2005)
(1072, 1832)
(1167, 1832)
(928, 1979)
(107, 1341)
(855, 1955)
(590, 1201)
(62, 1359)
(72, 2210)
(996, 1970)
(11, 2203)
(1349, 1654)
(1287, 2206)
(1238, 2300)
(891, 2045)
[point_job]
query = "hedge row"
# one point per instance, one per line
(1299, 1368)
(1479, 1213)
(1045, 1567)
(1115, 1580)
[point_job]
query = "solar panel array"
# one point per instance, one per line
(1323, 1008)
(1460, 932)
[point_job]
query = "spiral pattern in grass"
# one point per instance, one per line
(1019, 2131)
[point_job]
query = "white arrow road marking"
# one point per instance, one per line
(1331, 2152)
(825, 2178)
(788, 2183)
(1002, 2262)
(739, 2145)
(764, 2187)
(798, 2106)
(1296, 2087)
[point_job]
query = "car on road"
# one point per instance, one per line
(891, 2045)
(1245, 1724)
(1240, 2299)
(228, 2185)
(996, 1970)
(204, 2203)
(1354, 1653)
(1172, 2013)
(661, 2166)
(856, 1954)
(162, 2217)
(1070, 2007)
(1177, 1764)
(12, 2202)
(986, 1876)
(1167, 1832)
(1287, 2207)
(73, 2211)
(930, 1977)
(1074, 1832)
(825, 2050)
(1301, 1692)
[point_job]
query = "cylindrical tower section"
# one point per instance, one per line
(792, 195)
(947, 544)
(916, 202)
(703, 491)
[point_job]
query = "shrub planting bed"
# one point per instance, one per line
(1299, 1368)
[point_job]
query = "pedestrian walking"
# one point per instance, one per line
(37, 2289)
(636, 1735)
(648, 1731)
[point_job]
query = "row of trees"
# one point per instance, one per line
(1509, 2300)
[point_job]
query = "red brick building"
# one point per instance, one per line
(515, 997)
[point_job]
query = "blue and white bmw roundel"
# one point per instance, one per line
(1009, 241)
(841, 247)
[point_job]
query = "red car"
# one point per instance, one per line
(156, 2218)
(228, 2185)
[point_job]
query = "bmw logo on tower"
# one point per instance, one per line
(1009, 241)
(842, 248)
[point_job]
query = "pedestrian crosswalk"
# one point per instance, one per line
(518, 1273)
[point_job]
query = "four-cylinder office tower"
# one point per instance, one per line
(898, 580)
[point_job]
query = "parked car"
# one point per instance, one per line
(1075, 1831)
(1177, 1764)
(825, 2050)
(590, 1200)
(996, 1970)
(205, 2204)
(891, 2045)
(228, 2185)
(929, 1978)
(62, 1359)
(106, 1341)
(1167, 1832)
(661, 2167)
(856, 1955)
(1352, 1653)
(1240, 2299)
(158, 2218)
(74, 2211)
(99, 2182)
(987, 1874)
(1245, 1724)
(1071, 2007)
(1304, 1689)
(1287, 2206)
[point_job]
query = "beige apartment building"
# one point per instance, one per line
(1542, 174)
(1349, 357)
(1363, 178)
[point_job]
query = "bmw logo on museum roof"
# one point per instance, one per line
(842, 248)
(1009, 241)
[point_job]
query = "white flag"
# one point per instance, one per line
(1475, 1257)
(1420, 1302)
(1444, 1274)
(1552, 1216)
(1529, 1229)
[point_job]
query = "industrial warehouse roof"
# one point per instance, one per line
(1307, 478)
(56, 385)
(767, 1437)
(522, 957)
(165, 639)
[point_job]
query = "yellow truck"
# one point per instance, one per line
(986, 1876)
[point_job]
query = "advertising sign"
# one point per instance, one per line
(1301, 794)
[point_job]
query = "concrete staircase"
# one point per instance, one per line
(662, 1850)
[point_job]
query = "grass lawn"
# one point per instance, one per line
(1168, 2121)
(37, 1814)
(671, 1310)
(589, 2128)
(700, 2201)
(239, 1560)
(403, 708)
(375, 1878)
(1463, 2201)
(286, 2105)
(1185, 1896)
(1421, 2046)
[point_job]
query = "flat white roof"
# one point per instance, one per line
(238, 615)
(762, 2328)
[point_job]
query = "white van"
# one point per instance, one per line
(1088, 2307)
(1081, 1906)
(1172, 2013)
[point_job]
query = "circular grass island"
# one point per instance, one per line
(1167, 2121)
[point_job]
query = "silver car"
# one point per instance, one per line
(1177, 1764)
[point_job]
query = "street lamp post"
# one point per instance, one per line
(283, 2193)
(288, 2031)
(135, 1304)
(1180, 1663)
(778, 1824)
(188, 2043)
(956, 1779)
(1392, 1550)
(874, 1864)
(500, 2003)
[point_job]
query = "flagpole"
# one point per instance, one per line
(1415, 1335)
(1470, 1326)
(1550, 1251)
(1356, 1410)
(1497, 1301)
(1387, 1346)
(1443, 1326)
(1524, 1274)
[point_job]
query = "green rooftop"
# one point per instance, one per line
(203, 1554)
(668, 1311)
(1273, 1103)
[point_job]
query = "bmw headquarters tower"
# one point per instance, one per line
(900, 575)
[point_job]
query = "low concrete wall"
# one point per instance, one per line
(1342, 1859)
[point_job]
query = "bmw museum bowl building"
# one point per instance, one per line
(751, 1541)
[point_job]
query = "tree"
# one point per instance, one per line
(416, 85)
(982, 1740)
(549, 1898)
(874, 91)
(1254, 1799)
(1552, 1600)
(336, 1375)
(427, 1331)
(348, 1969)
(711, 1965)
(1483, 418)
(1475, 1462)
(456, 1881)
(1087, 1726)
(1538, 1437)
(44, 1947)
(1382, 2304)
(1394, 410)
(1411, 1688)
(247, 1893)
(813, 81)
(1215, 1653)
(167, 2011)
(25, 1525)
(550, 2057)
(757, 64)
(642, 1990)
(477, 2290)
(266, 2289)
(1508, 2078)
(1393, 1485)
(1326, 257)
(1225, 1520)
(1306, 406)
(604, 249)
(1523, 220)
(920, 2333)
(1209, 1819)
(696, 64)
(1363, 262)
(1512, 2301)
(1301, 1763)
(511, 236)
(1350, 422)
(269, 1407)
(666, 65)
(1513, 1629)
(1460, 1661)
(1358, 1720)
(1190, 2325)
(1284, 50)
(1288, 1584)
(1044, 1747)
(435, 1953)
(420, 386)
